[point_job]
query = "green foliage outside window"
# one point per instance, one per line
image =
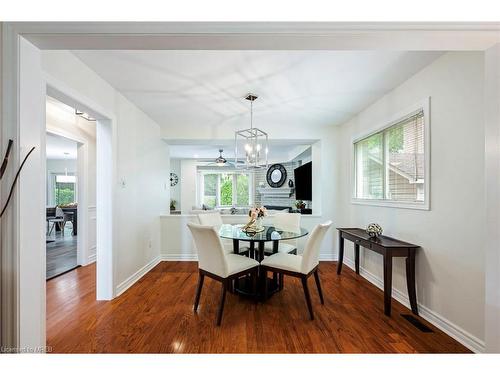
(226, 190)
(396, 139)
(210, 183)
(242, 189)
(224, 182)
(65, 193)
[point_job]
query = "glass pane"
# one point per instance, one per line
(226, 189)
(64, 193)
(370, 168)
(210, 192)
(242, 190)
(405, 143)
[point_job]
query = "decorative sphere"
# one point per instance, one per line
(374, 230)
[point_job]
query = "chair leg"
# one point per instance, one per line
(255, 276)
(201, 277)
(51, 228)
(318, 285)
(264, 279)
(308, 296)
(222, 300)
(281, 281)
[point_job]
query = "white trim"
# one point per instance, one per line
(390, 203)
(65, 134)
(178, 257)
(330, 257)
(451, 329)
(423, 104)
(132, 279)
(91, 258)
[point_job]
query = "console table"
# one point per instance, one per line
(389, 248)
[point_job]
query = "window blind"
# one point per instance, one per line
(390, 165)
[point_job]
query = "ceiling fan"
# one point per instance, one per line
(221, 161)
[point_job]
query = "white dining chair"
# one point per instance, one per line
(214, 219)
(59, 219)
(214, 262)
(301, 266)
(285, 221)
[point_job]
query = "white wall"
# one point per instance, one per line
(450, 265)
(175, 191)
(492, 170)
(141, 164)
(31, 220)
(188, 184)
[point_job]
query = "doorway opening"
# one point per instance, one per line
(70, 187)
(61, 205)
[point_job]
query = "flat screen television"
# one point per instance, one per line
(303, 182)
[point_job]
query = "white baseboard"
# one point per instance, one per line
(451, 329)
(131, 280)
(328, 257)
(91, 258)
(179, 257)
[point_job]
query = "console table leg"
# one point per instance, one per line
(341, 254)
(356, 257)
(410, 281)
(387, 284)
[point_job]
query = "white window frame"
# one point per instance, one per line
(423, 105)
(234, 174)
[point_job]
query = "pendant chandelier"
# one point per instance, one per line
(253, 141)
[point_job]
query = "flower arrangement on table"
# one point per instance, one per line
(256, 215)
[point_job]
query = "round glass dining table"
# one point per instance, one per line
(269, 234)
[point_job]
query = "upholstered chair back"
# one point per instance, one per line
(310, 257)
(287, 221)
(210, 250)
(59, 212)
(213, 219)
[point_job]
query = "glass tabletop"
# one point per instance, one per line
(270, 233)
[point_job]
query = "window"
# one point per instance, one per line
(225, 189)
(64, 189)
(390, 164)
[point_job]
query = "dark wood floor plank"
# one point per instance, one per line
(156, 316)
(61, 255)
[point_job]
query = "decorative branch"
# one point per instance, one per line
(6, 159)
(15, 178)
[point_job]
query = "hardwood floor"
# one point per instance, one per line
(61, 253)
(156, 316)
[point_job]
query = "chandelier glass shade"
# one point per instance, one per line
(251, 146)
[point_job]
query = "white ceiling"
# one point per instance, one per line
(57, 146)
(296, 88)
